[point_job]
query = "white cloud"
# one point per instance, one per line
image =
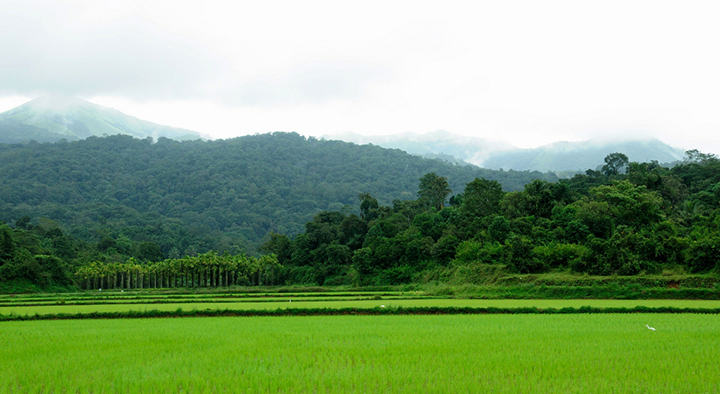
(49, 50)
(528, 72)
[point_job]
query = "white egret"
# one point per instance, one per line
(650, 328)
(382, 306)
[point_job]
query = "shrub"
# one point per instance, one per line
(521, 258)
(469, 251)
(560, 255)
(703, 254)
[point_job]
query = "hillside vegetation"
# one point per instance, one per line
(117, 197)
(124, 212)
(628, 219)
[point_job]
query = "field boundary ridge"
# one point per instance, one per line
(378, 311)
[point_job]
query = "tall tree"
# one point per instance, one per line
(481, 198)
(615, 162)
(368, 206)
(7, 246)
(433, 190)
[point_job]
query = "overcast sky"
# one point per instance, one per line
(528, 72)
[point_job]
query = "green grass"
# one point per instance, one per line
(611, 290)
(430, 302)
(366, 354)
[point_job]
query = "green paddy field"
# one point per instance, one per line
(83, 303)
(273, 305)
(498, 353)
(366, 354)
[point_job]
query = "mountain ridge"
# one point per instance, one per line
(581, 155)
(435, 144)
(566, 156)
(53, 118)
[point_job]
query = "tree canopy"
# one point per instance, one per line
(196, 196)
(623, 224)
(109, 202)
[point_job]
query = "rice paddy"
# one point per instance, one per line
(365, 354)
(577, 353)
(84, 303)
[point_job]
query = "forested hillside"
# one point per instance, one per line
(193, 196)
(136, 208)
(630, 218)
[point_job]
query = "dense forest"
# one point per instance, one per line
(194, 196)
(630, 218)
(330, 212)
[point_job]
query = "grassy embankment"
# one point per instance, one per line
(483, 281)
(493, 282)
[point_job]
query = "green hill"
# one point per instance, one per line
(52, 118)
(202, 195)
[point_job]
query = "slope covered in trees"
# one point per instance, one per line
(194, 196)
(627, 219)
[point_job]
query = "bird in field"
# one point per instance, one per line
(650, 328)
(382, 306)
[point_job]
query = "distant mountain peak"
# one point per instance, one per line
(55, 117)
(58, 103)
(567, 156)
(582, 155)
(432, 144)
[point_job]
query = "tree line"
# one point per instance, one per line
(191, 197)
(624, 219)
(48, 258)
(205, 270)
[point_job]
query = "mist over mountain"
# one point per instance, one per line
(493, 154)
(579, 156)
(437, 145)
(53, 118)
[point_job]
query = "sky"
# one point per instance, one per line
(526, 72)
